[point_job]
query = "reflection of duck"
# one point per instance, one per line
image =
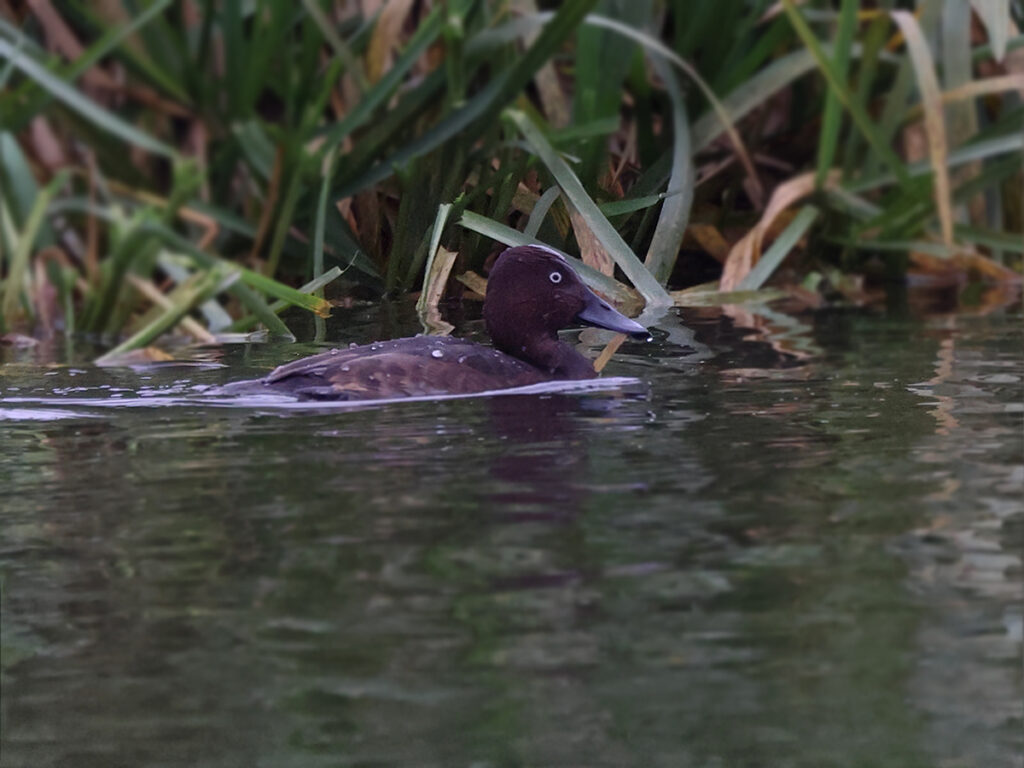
(532, 293)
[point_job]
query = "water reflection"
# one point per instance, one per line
(771, 559)
(966, 558)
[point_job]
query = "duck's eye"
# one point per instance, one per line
(555, 277)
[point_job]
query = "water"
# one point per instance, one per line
(799, 546)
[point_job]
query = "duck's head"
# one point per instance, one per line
(532, 293)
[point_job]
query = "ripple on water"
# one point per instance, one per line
(40, 414)
(818, 542)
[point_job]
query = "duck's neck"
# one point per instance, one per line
(557, 358)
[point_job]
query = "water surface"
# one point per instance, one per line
(799, 546)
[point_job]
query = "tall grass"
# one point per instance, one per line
(203, 165)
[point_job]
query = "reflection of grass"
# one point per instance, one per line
(15, 649)
(220, 154)
(15, 646)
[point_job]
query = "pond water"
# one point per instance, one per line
(797, 542)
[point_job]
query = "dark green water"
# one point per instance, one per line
(760, 560)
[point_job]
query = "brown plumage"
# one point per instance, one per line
(532, 293)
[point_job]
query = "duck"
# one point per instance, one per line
(532, 293)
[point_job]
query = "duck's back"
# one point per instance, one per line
(411, 367)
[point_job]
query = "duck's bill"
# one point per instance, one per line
(600, 314)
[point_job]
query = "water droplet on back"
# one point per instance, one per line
(437, 353)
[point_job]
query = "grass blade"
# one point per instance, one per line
(744, 98)
(602, 60)
(617, 248)
(830, 122)
(979, 150)
(751, 94)
(721, 112)
(487, 102)
(17, 184)
(188, 298)
(248, 277)
(540, 210)
(217, 318)
(983, 87)
(107, 43)
(935, 126)
(995, 16)
(634, 204)
(261, 313)
(321, 215)
(267, 315)
(88, 109)
(166, 302)
(835, 82)
(609, 286)
(778, 251)
(18, 267)
(957, 70)
(675, 212)
(746, 252)
(341, 48)
(432, 293)
(426, 32)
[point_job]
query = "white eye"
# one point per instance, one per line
(555, 277)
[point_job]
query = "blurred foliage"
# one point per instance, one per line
(187, 164)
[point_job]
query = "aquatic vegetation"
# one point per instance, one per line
(203, 166)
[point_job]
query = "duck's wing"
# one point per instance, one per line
(415, 367)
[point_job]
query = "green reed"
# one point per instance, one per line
(240, 158)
